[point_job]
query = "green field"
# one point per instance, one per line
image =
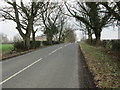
(6, 47)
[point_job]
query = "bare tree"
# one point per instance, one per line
(113, 8)
(61, 23)
(95, 20)
(24, 16)
(17, 38)
(68, 35)
(51, 19)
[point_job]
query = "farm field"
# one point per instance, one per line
(6, 47)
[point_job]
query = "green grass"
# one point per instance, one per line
(106, 69)
(6, 47)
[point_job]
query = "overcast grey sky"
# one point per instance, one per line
(8, 28)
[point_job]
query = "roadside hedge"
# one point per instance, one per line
(20, 44)
(111, 44)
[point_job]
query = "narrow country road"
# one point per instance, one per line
(52, 67)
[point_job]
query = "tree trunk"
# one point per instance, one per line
(27, 43)
(28, 33)
(33, 39)
(60, 33)
(49, 39)
(90, 38)
(60, 36)
(97, 35)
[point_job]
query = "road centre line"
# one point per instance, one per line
(55, 51)
(20, 71)
(26, 67)
(67, 44)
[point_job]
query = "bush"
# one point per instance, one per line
(92, 43)
(46, 43)
(116, 45)
(111, 44)
(37, 44)
(19, 45)
(55, 42)
(103, 43)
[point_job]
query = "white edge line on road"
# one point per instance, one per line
(19, 71)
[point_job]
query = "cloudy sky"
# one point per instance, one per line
(8, 28)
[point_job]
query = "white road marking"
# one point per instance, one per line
(60, 48)
(19, 71)
(67, 44)
(27, 67)
(55, 51)
(52, 52)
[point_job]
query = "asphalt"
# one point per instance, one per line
(52, 67)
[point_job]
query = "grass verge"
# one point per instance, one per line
(105, 69)
(6, 47)
(12, 54)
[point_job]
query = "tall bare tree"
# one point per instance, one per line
(96, 21)
(113, 8)
(23, 15)
(51, 19)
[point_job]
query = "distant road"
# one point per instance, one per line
(51, 67)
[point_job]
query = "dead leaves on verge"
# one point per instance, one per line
(106, 71)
